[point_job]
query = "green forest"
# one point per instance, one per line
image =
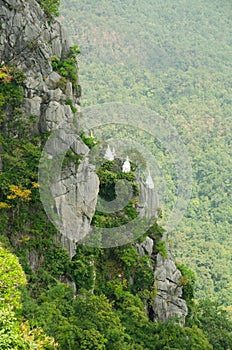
(173, 58)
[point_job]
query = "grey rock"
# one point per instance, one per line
(32, 106)
(148, 202)
(76, 199)
(55, 95)
(168, 302)
(29, 42)
(52, 80)
(146, 247)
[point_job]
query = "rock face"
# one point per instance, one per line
(148, 202)
(29, 42)
(168, 302)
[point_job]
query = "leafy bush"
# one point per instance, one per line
(11, 277)
(187, 281)
(11, 96)
(161, 248)
(89, 141)
(110, 174)
(67, 65)
(56, 261)
(51, 7)
(83, 268)
(10, 335)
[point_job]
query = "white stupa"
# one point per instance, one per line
(126, 168)
(109, 154)
(149, 182)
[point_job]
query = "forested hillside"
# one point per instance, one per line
(56, 290)
(175, 58)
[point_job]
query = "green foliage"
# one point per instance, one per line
(187, 281)
(67, 65)
(89, 141)
(179, 65)
(215, 323)
(83, 268)
(70, 103)
(19, 147)
(51, 7)
(128, 255)
(56, 261)
(127, 271)
(110, 174)
(20, 162)
(143, 275)
(11, 95)
(11, 277)
(107, 312)
(155, 232)
(96, 312)
(172, 336)
(91, 339)
(10, 335)
(70, 159)
(161, 248)
(15, 334)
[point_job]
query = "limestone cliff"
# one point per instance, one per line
(168, 302)
(28, 41)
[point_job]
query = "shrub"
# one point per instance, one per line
(161, 248)
(51, 7)
(67, 65)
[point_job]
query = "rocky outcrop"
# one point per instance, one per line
(28, 41)
(168, 302)
(148, 202)
(146, 247)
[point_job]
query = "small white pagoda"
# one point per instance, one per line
(149, 182)
(109, 155)
(126, 168)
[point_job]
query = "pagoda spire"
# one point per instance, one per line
(109, 154)
(149, 181)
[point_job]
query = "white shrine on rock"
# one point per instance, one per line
(109, 155)
(149, 182)
(126, 168)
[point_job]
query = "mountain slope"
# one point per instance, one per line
(175, 58)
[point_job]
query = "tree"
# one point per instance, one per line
(12, 276)
(215, 323)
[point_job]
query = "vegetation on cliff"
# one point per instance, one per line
(51, 7)
(39, 306)
(107, 309)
